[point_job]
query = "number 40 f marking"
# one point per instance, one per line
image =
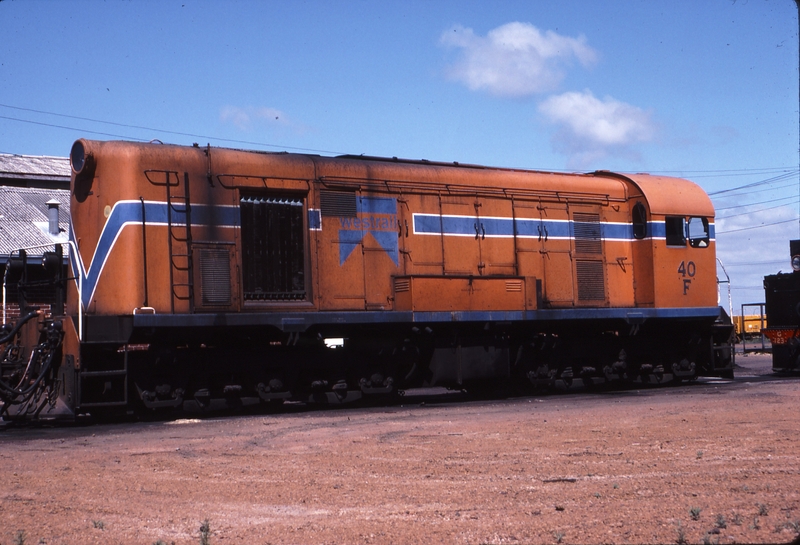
(687, 269)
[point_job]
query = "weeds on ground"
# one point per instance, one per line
(721, 521)
(793, 525)
(681, 539)
(205, 533)
(558, 536)
(762, 510)
(99, 524)
(695, 512)
(19, 539)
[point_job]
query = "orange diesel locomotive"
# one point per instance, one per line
(205, 277)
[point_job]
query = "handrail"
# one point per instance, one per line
(728, 281)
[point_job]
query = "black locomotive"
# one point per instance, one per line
(782, 298)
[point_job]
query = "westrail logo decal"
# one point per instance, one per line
(376, 217)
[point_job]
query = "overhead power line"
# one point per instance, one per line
(754, 263)
(757, 226)
(725, 173)
(151, 129)
(694, 174)
(768, 181)
(759, 190)
(718, 208)
(758, 210)
(70, 128)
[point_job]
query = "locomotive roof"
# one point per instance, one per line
(672, 196)
(664, 195)
(33, 170)
(24, 221)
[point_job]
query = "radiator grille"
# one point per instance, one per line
(338, 204)
(591, 286)
(587, 233)
(215, 276)
(273, 249)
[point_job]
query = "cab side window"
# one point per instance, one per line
(675, 230)
(639, 220)
(698, 232)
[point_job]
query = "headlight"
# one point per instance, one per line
(77, 156)
(796, 262)
(83, 164)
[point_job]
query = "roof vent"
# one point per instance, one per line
(52, 216)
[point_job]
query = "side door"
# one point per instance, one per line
(377, 218)
(496, 237)
(340, 252)
(556, 245)
(460, 235)
(420, 231)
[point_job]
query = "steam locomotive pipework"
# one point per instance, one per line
(28, 378)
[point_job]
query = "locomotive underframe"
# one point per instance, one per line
(191, 363)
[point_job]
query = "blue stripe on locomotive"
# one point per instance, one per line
(433, 224)
(158, 213)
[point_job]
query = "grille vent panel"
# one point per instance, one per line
(588, 238)
(338, 204)
(215, 276)
(591, 284)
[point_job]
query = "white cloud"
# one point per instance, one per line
(245, 118)
(590, 128)
(515, 59)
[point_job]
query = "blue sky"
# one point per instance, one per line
(706, 90)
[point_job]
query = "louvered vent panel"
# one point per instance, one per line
(591, 286)
(401, 285)
(513, 286)
(338, 204)
(587, 233)
(215, 276)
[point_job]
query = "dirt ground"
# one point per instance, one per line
(716, 461)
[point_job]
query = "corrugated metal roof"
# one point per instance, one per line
(31, 166)
(24, 221)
